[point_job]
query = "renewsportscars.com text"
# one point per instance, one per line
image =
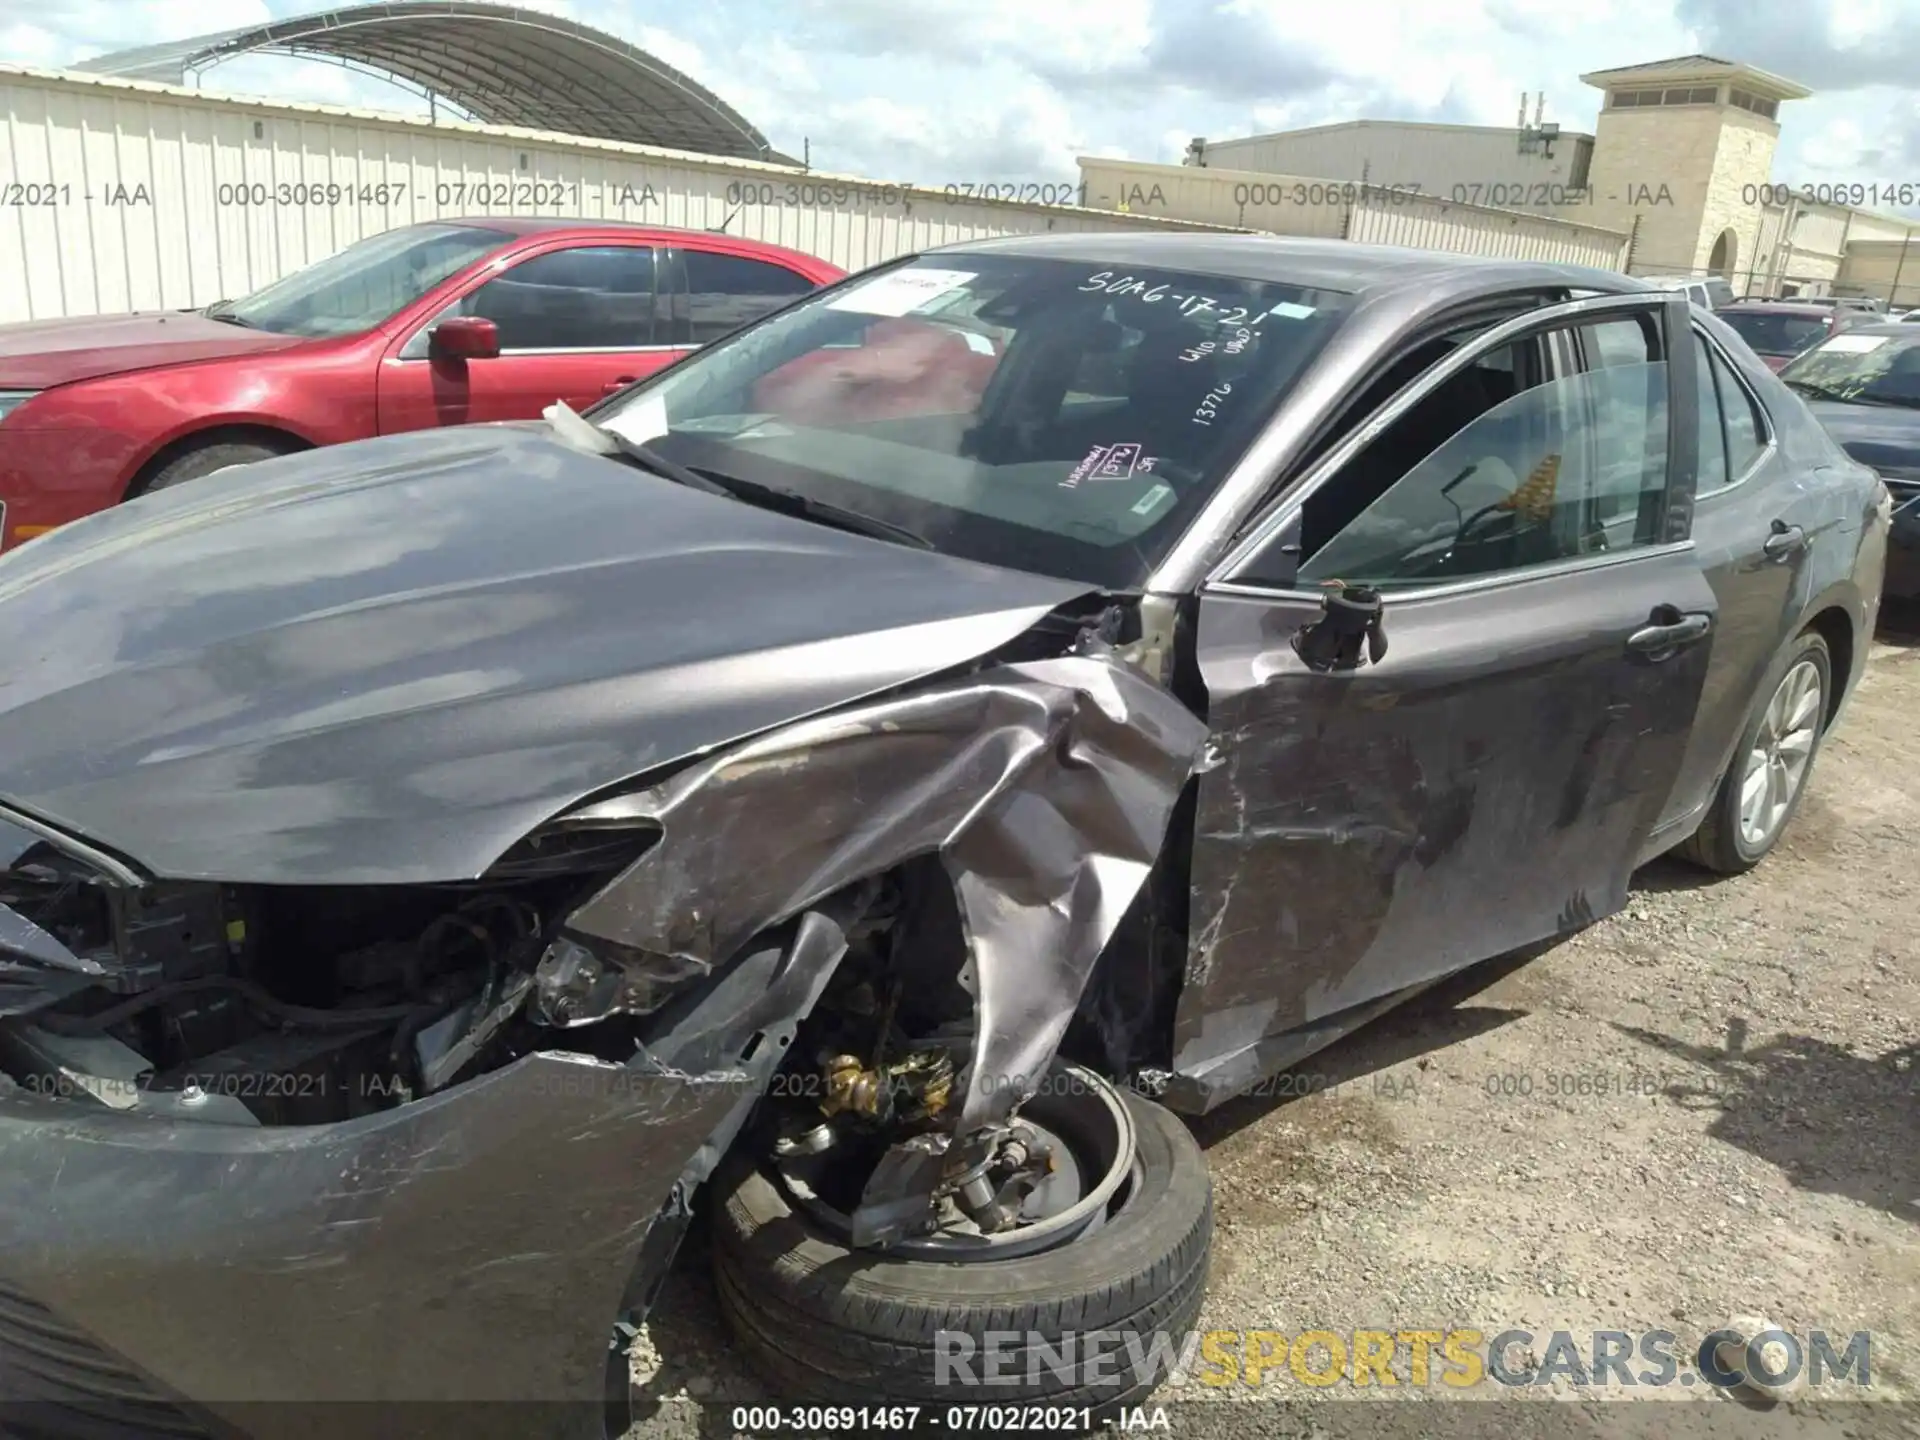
(1457, 1357)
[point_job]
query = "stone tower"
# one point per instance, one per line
(1686, 145)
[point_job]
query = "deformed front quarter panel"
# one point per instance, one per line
(1045, 787)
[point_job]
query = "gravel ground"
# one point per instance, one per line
(1741, 1137)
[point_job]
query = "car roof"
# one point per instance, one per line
(544, 224)
(521, 226)
(1778, 307)
(1337, 265)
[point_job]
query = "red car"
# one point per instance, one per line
(433, 324)
(1778, 330)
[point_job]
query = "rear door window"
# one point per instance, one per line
(1745, 422)
(725, 292)
(1714, 472)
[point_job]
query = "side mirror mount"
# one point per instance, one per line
(1350, 616)
(464, 337)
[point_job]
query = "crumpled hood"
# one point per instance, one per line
(38, 354)
(388, 661)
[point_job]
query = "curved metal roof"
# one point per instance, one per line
(500, 64)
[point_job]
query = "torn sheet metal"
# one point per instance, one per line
(1045, 788)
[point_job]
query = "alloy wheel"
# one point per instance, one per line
(1782, 751)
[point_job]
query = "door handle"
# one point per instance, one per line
(1670, 633)
(620, 384)
(1785, 540)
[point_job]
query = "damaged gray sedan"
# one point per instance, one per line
(844, 778)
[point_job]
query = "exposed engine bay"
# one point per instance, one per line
(291, 1007)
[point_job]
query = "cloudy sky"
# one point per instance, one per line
(941, 91)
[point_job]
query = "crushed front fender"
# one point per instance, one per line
(1044, 787)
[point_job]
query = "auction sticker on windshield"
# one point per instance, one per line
(1153, 500)
(642, 421)
(1853, 344)
(901, 292)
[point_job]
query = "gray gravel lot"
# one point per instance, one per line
(1703, 1107)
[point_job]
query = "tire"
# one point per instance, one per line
(1719, 845)
(204, 460)
(822, 1323)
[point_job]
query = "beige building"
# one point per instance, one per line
(1683, 160)
(1676, 179)
(1524, 168)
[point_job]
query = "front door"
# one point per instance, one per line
(575, 324)
(1489, 780)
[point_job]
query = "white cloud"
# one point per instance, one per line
(1083, 36)
(88, 27)
(33, 45)
(1837, 145)
(1852, 22)
(670, 47)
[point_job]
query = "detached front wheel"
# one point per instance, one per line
(1089, 1316)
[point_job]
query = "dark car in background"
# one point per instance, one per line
(1864, 386)
(444, 323)
(1778, 330)
(428, 865)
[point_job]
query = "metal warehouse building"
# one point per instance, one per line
(121, 191)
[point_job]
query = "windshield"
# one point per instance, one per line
(1059, 416)
(1775, 334)
(1882, 369)
(364, 284)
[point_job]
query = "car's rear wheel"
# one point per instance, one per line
(1772, 764)
(198, 460)
(822, 1321)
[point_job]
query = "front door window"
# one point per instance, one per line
(1550, 467)
(597, 297)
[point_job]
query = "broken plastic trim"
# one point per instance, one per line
(1045, 788)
